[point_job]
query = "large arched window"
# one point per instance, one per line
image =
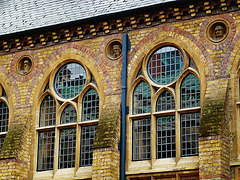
(68, 118)
(4, 116)
(165, 107)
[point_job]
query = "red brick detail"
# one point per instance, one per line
(82, 49)
(229, 43)
(149, 38)
(35, 64)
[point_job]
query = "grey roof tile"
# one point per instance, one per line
(22, 15)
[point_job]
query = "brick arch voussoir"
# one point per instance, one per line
(15, 94)
(229, 43)
(60, 52)
(167, 30)
(233, 60)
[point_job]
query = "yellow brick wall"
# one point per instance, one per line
(214, 63)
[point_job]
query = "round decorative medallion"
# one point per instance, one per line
(217, 31)
(24, 65)
(113, 49)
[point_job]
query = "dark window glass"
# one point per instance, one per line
(4, 114)
(67, 147)
(70, 80)
(165, 65)
(46, 150)
(190, 92)
(166, 146)
(48, 111)
(190, 131)
(90, 105)
(142, 98)
(165, 101)
(87, 138)
(69, 115)
(142, 139)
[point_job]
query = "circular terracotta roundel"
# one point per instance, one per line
(217, 31)
(24, 65)
(113, 49)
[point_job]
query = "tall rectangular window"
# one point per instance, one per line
(142, 139)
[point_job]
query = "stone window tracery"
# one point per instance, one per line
(68, 118)
(165, 113)
(4, 116)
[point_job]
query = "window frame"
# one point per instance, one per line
(156, 90)
(61, 104)
(4, 99)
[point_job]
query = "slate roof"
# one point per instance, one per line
(23, 15)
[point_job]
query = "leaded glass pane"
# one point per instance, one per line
(87, 138)
(142, 98)
(190, 92)
(4, 114)
(165, 65)
(190, 131)
(1, 142)
(70, 80)
(166, 146)
(165, 101)
(67, 147)
(142, 139)
(46, 150)
(90, 105)
(69, 115)
(48, 111)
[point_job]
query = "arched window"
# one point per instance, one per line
(68, 118)
(165, 113)
(4, 116)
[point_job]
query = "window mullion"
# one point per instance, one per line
(56, 151)
(77, 151)
(153, 139)
(178, 136)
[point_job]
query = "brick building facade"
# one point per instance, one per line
(61, 93)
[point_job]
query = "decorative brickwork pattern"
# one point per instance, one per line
(14, 157)
(105, 164)
(214, 158)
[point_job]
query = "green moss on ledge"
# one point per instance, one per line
(107, 131)
(212, 116)
(12, 141)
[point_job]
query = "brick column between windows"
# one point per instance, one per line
(106, 156)
(214, 142)
(14, 157)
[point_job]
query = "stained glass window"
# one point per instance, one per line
(87, 138)
(166, 146)
(165, 65)
(46, 150)
(190, 92)
(67, 147)
(190, 129)
(90, 105)
(70, 80)
(48, 111)
(142, 139)
(62, 119)
(69, 115)
(165, 101)
(166, 104)
(142, 98)
(4, 114)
